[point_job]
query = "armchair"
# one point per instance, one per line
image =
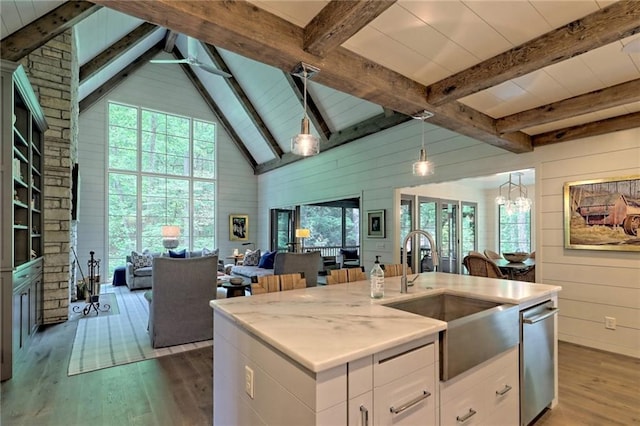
(309, 264)
(179, 310)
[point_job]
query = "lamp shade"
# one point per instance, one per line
(303, 233)
(170, 231)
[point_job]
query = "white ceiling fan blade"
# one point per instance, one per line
(632, 47)
(211, 69)
(169, 61)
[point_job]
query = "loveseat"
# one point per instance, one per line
(138, 271)
(179, 310)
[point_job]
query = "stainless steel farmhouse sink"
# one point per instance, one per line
(477, 330)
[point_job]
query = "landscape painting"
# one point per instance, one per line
(602, 214)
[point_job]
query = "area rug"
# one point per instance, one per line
(104, 341)
(108, 306)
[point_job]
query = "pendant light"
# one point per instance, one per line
(520, 204)
(422, 167)
(304, 143)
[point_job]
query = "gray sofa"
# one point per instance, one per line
(287, 263)
(179, 310)
(138, 278)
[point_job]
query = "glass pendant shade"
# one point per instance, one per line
(304, 143)
(422, 167)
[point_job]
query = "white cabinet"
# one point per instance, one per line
(485, 395)
(394, 387)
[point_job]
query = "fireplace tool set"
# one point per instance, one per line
(91, 287)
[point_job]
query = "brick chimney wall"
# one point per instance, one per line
(54, 74)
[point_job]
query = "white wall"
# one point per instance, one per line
(596, 283)
(163, 88)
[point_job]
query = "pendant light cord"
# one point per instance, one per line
(304, 76)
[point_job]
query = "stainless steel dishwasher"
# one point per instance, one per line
(537, 360)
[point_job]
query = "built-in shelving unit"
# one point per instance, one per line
(21, 198)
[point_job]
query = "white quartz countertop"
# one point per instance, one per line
(326, 326)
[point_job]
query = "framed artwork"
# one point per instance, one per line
(375, 224)
(238, 227)
(602, 214)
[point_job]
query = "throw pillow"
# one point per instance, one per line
(182, 254)
(252, 257)
(141, 260)
(266, 260)
(349, 254)
(207, 252)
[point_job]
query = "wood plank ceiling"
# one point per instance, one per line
(516, 75)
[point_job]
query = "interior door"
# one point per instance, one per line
(282, 229)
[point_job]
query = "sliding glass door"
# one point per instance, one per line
(282, 229)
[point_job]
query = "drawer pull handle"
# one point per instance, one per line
(467, 416)
(364, 416)
(411, 403)
(506, 389)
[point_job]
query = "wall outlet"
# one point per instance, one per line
(610, 323)
(248, 380)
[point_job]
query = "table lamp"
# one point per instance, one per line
(302, 233)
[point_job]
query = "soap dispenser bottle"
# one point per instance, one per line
(377, 280)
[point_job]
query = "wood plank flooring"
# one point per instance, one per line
(596, 388)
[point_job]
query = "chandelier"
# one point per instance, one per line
(520, 203)
(304, 143)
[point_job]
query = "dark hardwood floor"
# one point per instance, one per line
(596, 388)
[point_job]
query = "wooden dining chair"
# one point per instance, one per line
(528, 275)
(337, 276)
(492, 254)
(481, 266)
(292, 281)
(356, 274)
(394, 269)
(265, 284)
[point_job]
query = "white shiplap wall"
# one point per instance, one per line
(164, 88)
(595, 283)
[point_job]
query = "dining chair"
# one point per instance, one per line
(394, 269)
(528, 275)
(481, 266)
(492, 254)
(356, 274)
(337, 276)
(265, 284)
(281, 282)
(292, 281)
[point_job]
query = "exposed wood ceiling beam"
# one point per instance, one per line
(237, 141)
(244, 100)
(619, 20)
(621, 94)
(314, 113)
(30, 37)
(338, 21)
(113, 82)
(609, 125)
(357, 131)
(259, 35)
(170, 41)
(116, 50)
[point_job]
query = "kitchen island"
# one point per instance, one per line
(327, 355)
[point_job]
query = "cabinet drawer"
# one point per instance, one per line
(391, 364)
(479, 375)
(408, 400)
(503, 389)
(466, 409)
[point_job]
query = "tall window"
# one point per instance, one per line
(161, 172)
(515, 231)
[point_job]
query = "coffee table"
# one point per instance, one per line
(235, 290)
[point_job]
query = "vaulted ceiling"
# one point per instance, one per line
(514, 74)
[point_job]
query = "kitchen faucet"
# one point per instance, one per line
(434, 256)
